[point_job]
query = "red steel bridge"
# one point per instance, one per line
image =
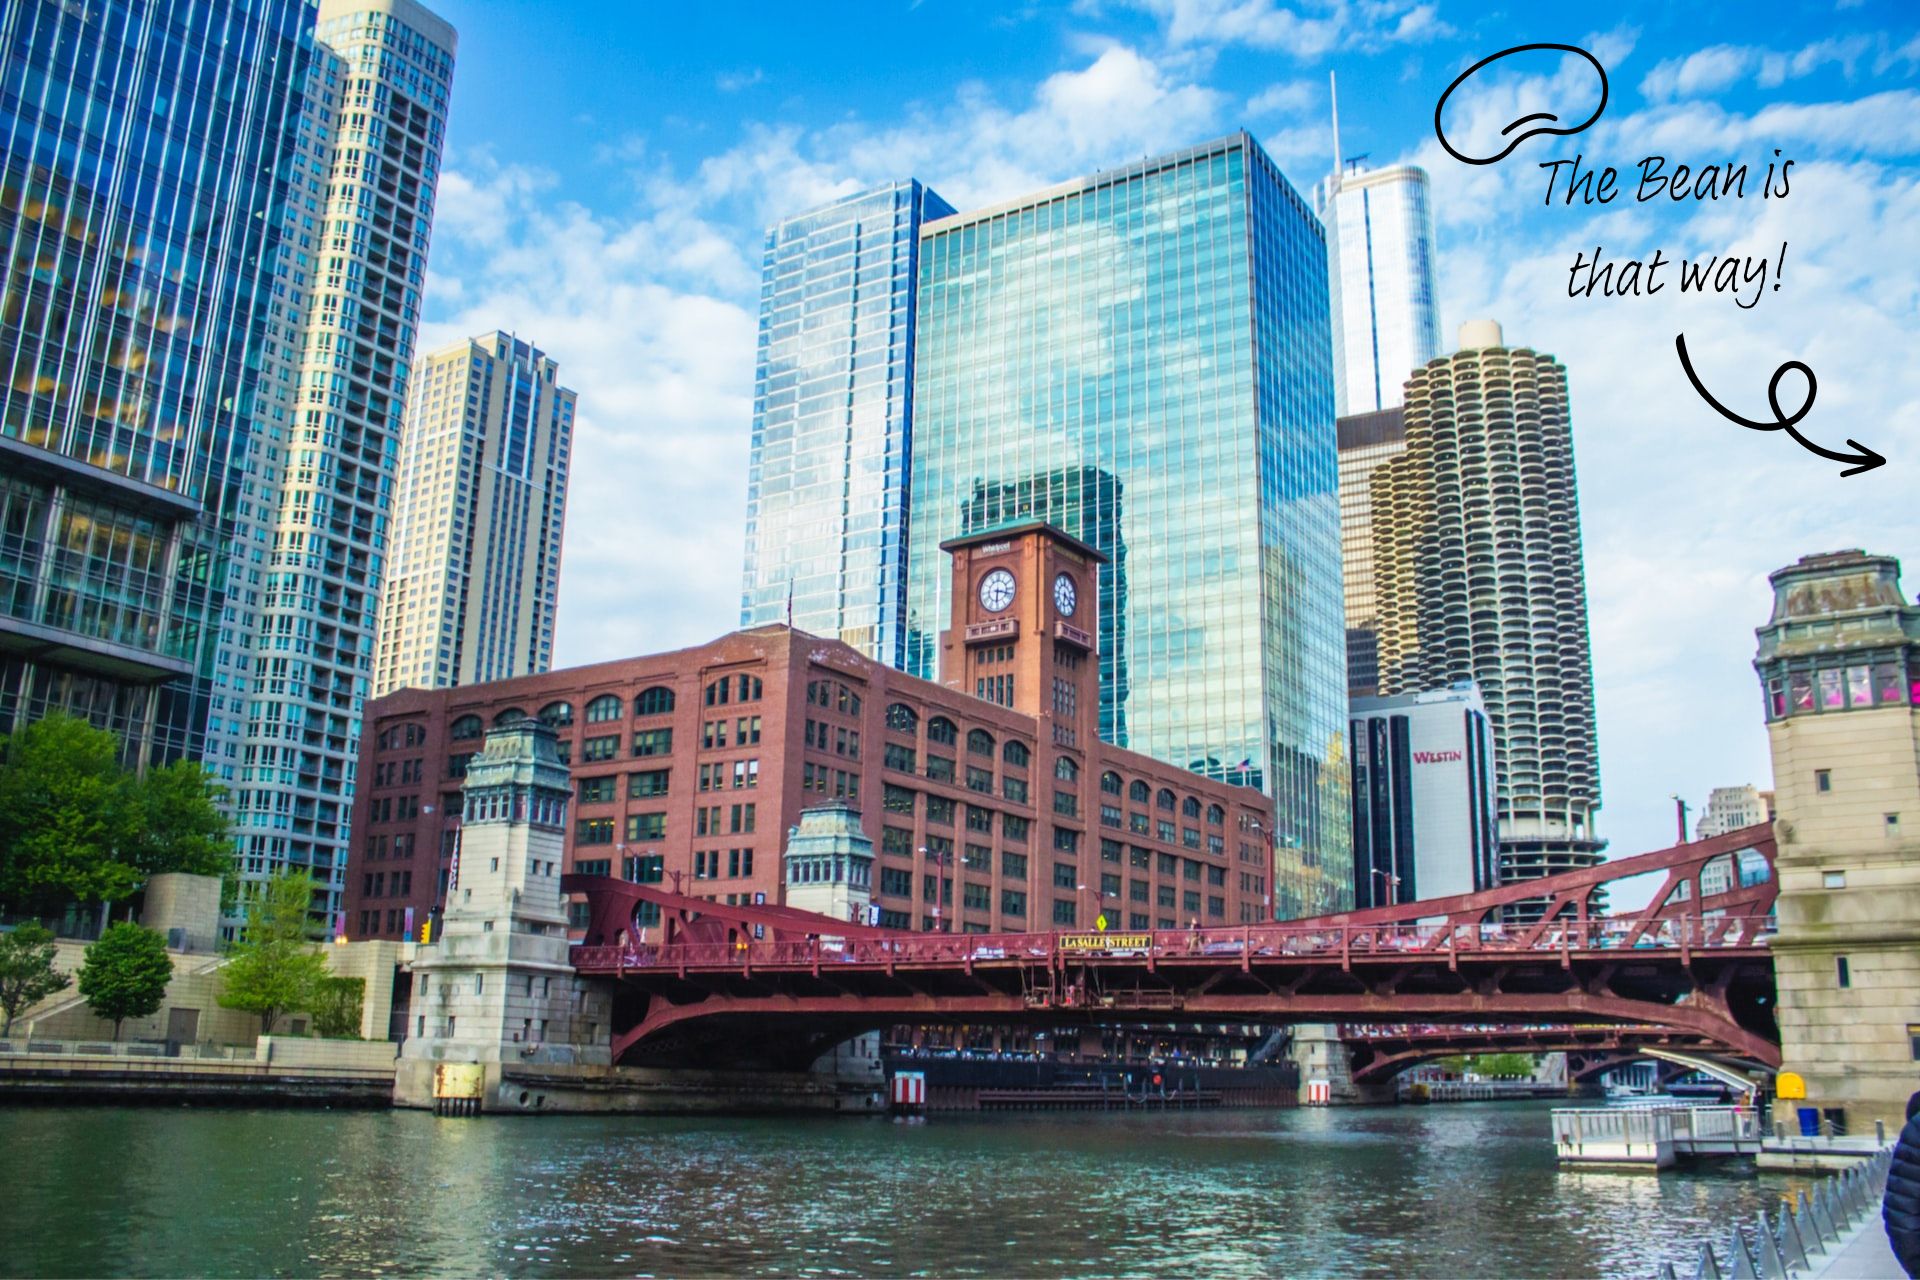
(714, 984)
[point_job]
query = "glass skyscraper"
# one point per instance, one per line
(827, 496)
(1142, 359)
(1386, 311)
(146, 147)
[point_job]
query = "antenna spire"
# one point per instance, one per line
(1333, 93)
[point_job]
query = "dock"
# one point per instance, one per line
(1652, 1137)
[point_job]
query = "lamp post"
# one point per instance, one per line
(1680, 818)
(1393, 887)
(939, 862)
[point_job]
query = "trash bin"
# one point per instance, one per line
(1809, 1122)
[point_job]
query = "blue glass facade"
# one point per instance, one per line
(827, 495)
(1143, 359)
(141, 205)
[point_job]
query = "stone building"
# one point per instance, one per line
(1839, 662)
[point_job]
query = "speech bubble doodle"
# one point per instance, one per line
(1863, 458)
(1468, 74)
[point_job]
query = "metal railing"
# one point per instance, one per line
(1802, 1238)
(126, 1049)
(1247, 942)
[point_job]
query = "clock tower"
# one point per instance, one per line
(1024, 621)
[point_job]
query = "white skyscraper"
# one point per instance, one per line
(350, 272)
(474, 578)
(1380, 282)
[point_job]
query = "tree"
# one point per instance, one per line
(274, 967)
(179, 824)
(63, 816)
(27, 975)
(126, 974)
(76, 827)
(337, 1006)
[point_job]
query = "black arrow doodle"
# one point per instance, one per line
(1863, 458)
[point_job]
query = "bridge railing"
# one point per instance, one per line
(1246, 943)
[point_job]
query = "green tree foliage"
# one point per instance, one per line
(27, 975)
(337, 1006)
(178, 823)
(76, 827)
(275, 967)
(126, 974)
(1498, 1065)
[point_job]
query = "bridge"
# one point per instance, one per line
(719, 984)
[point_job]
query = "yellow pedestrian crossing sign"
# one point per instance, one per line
(1100, 922)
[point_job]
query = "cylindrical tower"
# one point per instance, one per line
(1479, 577)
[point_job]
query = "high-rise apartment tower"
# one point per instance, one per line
(1478, 576)
(1366, 441)
(1141, 359)
(353, 267)
(827, 495)
(142, 190)
(1380, 281)
(474, 578)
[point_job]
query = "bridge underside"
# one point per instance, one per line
(786, 1018)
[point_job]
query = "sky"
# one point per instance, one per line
(611, 169)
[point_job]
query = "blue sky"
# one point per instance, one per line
(611, 168)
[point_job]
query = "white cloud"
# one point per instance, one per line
(1263, 24)
(1285, 98)
(735, 81)
(1711, 70)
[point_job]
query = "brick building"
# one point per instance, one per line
(990, 798)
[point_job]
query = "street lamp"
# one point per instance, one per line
(939, 862)
(1393, 886)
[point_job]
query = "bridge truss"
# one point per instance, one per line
(717, 984)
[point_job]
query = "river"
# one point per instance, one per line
(1467, 1189)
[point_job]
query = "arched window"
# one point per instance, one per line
(720, 692)
(942, 731)
(1139, 792)
(1110, 783)
(608, 706)
(1165, 799)
(1016, 754)
(512, 715)
(980, 743)
(902, 718)
(656, 701)
(1216, 816)
(1065, 769)
(465, 727)
(557, 713)
(1190, 808)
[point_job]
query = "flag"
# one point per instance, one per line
(1245, 764)
(789, 600)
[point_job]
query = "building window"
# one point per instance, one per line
(558, 714)
(646, 826)
(653, 742)
(1893, 826)
(940, 769)
(1013, 903)
(1823, 779)
(898, 758)
(1016, 754)
(656, 701)
(593, 867)
(902, 718)
(940, 810)
(1063, 912)
(1833, 879)
(465, 727)
(980, 780)
(651, 783)
(1065, 769)
(896, 799)
(1013, 866)
(607, 706)
(980, 743)
(1065, 875)
(1013, 828)
(1066, 840)
(1139, 792)
(1014, 789)
(605, 748)
(1913, 1040)
(1066, 803)
(1110, 783)
(593, 831)
(897, 841)
(942, 732)
(596, 790)
(896, 882)
(1842, 972)
(979, 819)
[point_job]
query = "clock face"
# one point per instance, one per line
(996, 590)
(1063, 595)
